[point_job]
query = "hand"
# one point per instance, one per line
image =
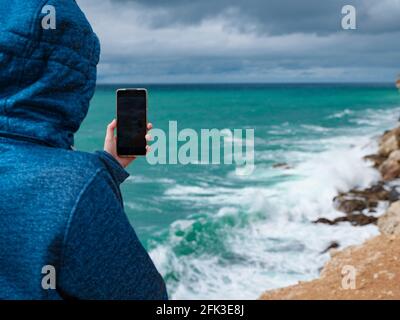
(110, 143)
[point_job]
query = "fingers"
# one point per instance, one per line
(111, 138)
(149, 137)
(112, 125)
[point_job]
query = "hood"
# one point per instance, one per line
(47, 77)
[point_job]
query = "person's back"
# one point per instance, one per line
(60, 210)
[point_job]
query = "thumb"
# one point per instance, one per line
(110, 130)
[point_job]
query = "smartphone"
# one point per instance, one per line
(131, 122)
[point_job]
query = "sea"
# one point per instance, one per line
(216, 235)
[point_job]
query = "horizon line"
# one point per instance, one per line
(244, 83)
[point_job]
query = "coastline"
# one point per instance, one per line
(376, 261)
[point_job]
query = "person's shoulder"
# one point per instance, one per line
(77, 162)
(72, 168)
(84, 165)
(80, 160)
(69, 171)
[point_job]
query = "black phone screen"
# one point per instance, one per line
(131, 122)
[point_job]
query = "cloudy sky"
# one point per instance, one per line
(174, 41)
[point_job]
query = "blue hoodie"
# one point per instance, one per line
(62, 220)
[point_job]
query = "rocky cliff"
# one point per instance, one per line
(370, 270)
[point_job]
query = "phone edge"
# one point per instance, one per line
(116, 116)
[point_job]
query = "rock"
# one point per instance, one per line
(389, 222)
(361, 219)
(355, 219)
(281, 165)
(374, 193)
(376, 159)
(390, 168)
(347, 204)
(359, 200)
(389, 146)
(333, 253)
(389, 142)
(394, 195)
(325, 221)
(332, 245)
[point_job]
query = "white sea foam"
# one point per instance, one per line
(143, 179)
(315, 128)
(341, 114)
(377, 118)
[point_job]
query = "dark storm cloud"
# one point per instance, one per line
(278, 16)
(248, 40)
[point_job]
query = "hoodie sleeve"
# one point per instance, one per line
(102, 256)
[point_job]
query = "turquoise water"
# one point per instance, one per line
(214, 234)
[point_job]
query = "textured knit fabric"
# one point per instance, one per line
(59, 207)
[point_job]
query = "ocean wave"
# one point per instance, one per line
(234, 265)
(315, 128)
(143, 179)
(257, 230)
(381, 118)
(341, 114)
